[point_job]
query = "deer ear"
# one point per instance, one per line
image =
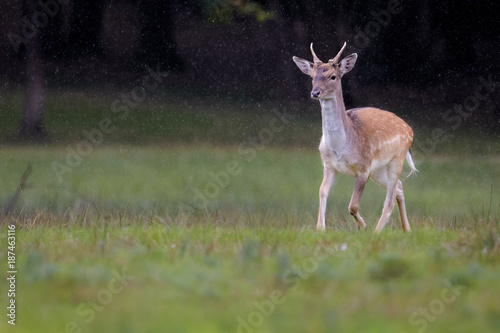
(348, 63)
(305, 66)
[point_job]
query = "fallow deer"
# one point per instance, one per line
(363, 142)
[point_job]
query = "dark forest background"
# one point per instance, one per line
(427, 55)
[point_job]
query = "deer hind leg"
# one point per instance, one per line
(389, 178)
(400, 199)
(324, 190)
(390, 200)
(359, 187)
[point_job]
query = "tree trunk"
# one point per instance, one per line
(32, 124)
(85, 29)
(289, 83)
(157, 46)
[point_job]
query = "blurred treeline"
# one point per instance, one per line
(431, 56)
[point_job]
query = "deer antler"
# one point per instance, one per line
(315, 57)
(337, 57)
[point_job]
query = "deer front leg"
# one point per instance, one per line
(359, 187)
(324, 190)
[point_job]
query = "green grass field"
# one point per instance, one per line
(182, 234)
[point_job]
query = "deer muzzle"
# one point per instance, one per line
(315, 92)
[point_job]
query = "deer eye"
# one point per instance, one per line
(333, 77)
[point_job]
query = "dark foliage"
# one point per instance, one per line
(426, 53)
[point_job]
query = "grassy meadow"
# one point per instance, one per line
(201, 219)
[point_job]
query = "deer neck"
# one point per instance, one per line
(337, 127)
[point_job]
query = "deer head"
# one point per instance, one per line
(326, 76)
